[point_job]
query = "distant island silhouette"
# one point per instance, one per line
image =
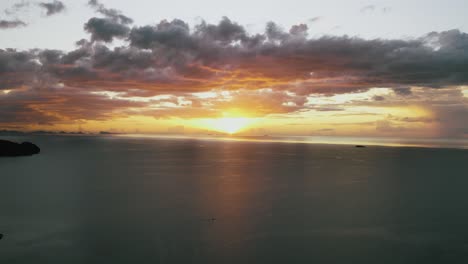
(58, 133)
(13, 149)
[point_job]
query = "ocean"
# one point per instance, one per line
(130, 199)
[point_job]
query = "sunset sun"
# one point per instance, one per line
(229, 125)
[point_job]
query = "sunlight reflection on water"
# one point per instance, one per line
(154, 200)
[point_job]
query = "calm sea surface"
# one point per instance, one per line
(152, 200)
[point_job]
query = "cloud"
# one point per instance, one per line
(17, 7)
(225, 56)
(7, 24)
(408, 119)
(113, 25)
(403, 91)
(386, 10)
(59, 105)
(261, 102)
(446, 110)
(373, 8)
(52, 8)
(299, 30)
(386, 126)
(104, 29)
(378, 98)
(315, 19)
(174, 34)
(367, 8)
(110, 13)
(273, 72)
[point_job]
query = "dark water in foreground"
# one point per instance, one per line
(128, 200)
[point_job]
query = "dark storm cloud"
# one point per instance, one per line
(7, 24)
(52, 8)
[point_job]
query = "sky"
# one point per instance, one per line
(327, 68)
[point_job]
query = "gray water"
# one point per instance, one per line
(145, 200)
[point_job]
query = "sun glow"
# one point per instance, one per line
(229, 125)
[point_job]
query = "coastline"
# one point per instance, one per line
(384, 142)
(430, 143)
